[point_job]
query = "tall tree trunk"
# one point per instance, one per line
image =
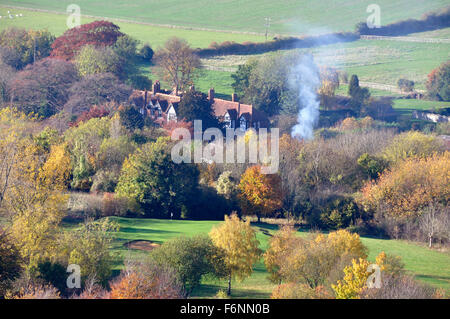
(229, 285)
(430, 241)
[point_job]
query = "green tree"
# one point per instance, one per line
(241, 78)
(192, 258)
(30, 45)
(359, 96)
(196, 106)
(146, 52)
(130, 118)
(150, 178)
(372, 166)
(91, 60)
(126, 49)
(89, 247)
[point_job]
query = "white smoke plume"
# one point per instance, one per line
(305, 78)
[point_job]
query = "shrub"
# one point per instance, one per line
(299, 291)
(146, 280)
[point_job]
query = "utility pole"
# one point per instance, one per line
(34, 50)
(267, 24)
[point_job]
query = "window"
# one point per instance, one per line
(243, 124)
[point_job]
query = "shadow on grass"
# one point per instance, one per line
(132, 230)
(206, 291)
(443, 279)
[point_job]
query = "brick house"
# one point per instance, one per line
(162, 107)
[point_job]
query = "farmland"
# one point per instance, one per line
(154, 35)
(287, 16)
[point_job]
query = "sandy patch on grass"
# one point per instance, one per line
(146, 245)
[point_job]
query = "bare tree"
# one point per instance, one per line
(178, 63)
(434, 222)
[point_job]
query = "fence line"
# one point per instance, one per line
(404, 39)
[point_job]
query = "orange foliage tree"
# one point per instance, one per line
(260, 194)
(146, 281)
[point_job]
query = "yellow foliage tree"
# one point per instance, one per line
(409, 187)
(279, 246)
(356, 275)
(354, 280)
(238, 241)
(260, 194)
(343, 242)
(312, 261)
(411, 144)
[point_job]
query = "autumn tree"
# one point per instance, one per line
(434, 222)
(312, 261)
(36, 203)
(10, 262)
(29, 45)
(97, 33)
(178, 63)
(280, 246)
(329, 78)
(260, 194)
(405, 85)
(146, 280)
(411, 144)
(438, 82)
(409, 187)
(226, 185)
(7, 73)
(354, 280)
(238, 241)
(96, 89)
(43, 87)
(354, 283)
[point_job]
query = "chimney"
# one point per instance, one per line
(156, 87)
(234, 97)
(211, 95)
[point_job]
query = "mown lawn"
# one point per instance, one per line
(430, 266)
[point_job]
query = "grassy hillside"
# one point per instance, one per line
(428, 265)
(156, 36)
(288, 16)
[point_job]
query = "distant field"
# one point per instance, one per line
(384, 61)
(287, 16)
(407, 106)
(438, 34)
(428, 265)
(156, 36)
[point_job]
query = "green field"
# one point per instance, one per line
(156, 36)
(427, 265)
(288, 16)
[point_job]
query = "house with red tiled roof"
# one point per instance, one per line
(162, 107)
(237, 115)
